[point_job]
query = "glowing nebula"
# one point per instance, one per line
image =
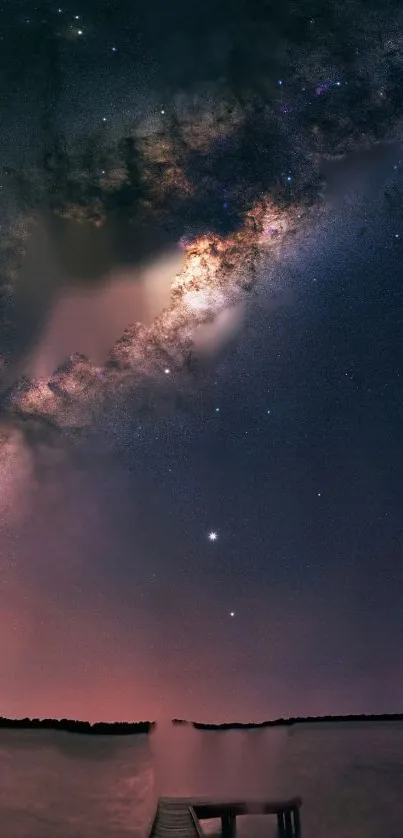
(203, 310)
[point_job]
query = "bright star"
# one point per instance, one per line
(232, 613)
(167, 370)
(212, 536)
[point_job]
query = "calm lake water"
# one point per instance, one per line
(64, 785)
(69, 786)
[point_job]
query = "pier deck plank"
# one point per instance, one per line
(179, 817)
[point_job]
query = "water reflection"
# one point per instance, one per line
(60, 785)
(236, 764)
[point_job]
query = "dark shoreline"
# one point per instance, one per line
(133, 728)
(384, 717)
(78, 726)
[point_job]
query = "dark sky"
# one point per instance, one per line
(117, 600)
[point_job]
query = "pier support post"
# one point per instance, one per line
(281, 825)
(289, 832)
(297, 823)
(228, 826)
(289, 824)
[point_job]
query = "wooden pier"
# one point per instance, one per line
(175, 818)
(180, 817)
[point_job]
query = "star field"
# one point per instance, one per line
(217, 533)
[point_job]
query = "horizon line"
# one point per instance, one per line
(146, 726)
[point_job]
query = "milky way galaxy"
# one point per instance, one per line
(215, 277)
(200, 369)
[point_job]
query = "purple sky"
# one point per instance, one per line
(114, 601)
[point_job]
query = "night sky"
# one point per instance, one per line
(216, 538)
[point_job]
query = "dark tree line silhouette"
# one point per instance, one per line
(76, 726)
(288, 722)
(130, 728)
